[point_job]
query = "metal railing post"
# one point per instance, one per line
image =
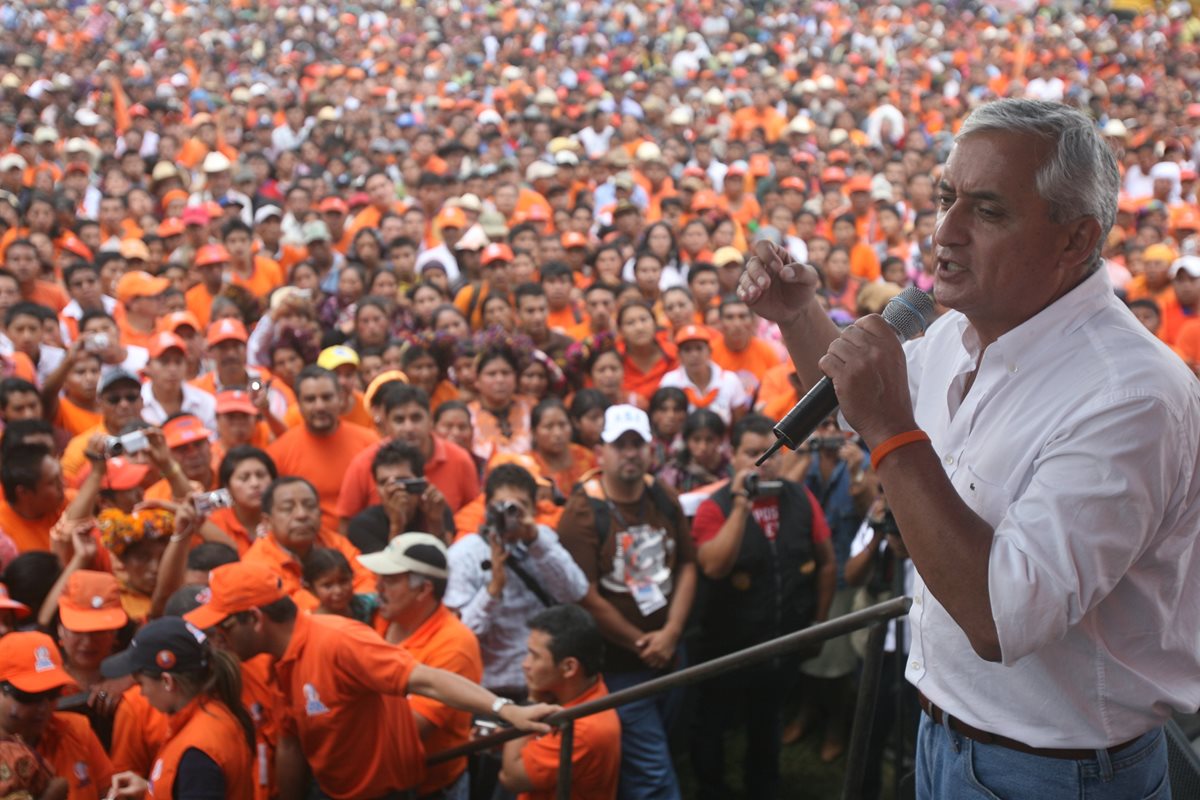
(864, 712)
(565, 749)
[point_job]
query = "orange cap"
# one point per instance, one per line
(163, 341)
(30, 661)
(232, 589)
(793, 183)
(137, 283)
(8, 604)
(497, 251)
(573, 239)
(704, 200)
(833, 175)
(91, 602)
(185, 430)
(235, 401)
(838, 157)
(211, 254)
(760, 165)
(171, 226)
(177, 319)
(451, 217)
(378, 382)
(333, 204)
(859, 183)
(120, 474)
(73, 244)
(693, 333)
(1188, 218)
(225, 329)
(523, 461)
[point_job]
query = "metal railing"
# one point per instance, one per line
(874, 617)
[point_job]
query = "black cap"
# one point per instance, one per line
(168, 644)
(118, 375)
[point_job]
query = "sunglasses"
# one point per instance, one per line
(127, 397)
(30, 698)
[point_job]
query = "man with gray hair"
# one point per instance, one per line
(1039, 450)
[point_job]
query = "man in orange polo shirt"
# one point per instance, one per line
(563, 666)
(21, 259)
(344, 686)
(209, 264)
(406, 418)
(412, 575)
(738, 349)
(34, 497)
(139, 294)
(324, 446)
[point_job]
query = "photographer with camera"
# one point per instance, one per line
(879, 568)
(120, 404)
(505, 573)
(760, 579)
(409, 501)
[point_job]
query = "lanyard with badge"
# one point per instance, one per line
(645, 591)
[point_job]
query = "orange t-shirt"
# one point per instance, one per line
(595, 757)
(777, 394)
(199, 302)
(567, 318)
(270, 552)
(266, 277)
(74, 419)
(357, 414)
(1187, 343)
(73, 752)
(750, 364)
(323, 460)
(442, 641)
(450, 468)
(344, 687)
(443, 392)
(27, 534)
(226, 520)
(48, 294)
(139, 732)
(582, 460)
(864, 262)
(645, 384)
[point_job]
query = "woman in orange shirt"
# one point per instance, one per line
(246, 472)
(647, 359)
(500, 416)
(210, 751)
(560, 460)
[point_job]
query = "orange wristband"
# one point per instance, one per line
(895, 443)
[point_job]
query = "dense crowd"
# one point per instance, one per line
(424, 315)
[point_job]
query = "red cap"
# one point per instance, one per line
(333, 204)
(121, 474)
(358, 199)
(838, 157)
(30, 661)
(833, 175)
(736, 168)
(497, 251)
(235, 401)
(164, 341)
(8, 604)
(573, 239)
(91, 602)
(226, 329)
(232, 589)
(185, 430)
(537, 214)
(194, 215)
(693, 333)
(211, 254)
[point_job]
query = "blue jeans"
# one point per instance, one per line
(950, 766)
(646, 769)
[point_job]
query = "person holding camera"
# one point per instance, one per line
(409, 501)
(761, 579)
(505, 573)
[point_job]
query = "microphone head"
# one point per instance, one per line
(909, 312)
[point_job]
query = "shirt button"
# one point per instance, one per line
(917, 600)
(949, 461)
(915, 665)
(1012, 368)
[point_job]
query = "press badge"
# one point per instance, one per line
(649, 597)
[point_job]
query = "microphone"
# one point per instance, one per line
(908, 313)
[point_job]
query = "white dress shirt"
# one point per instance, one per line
(731, 393)
(1078, 442)
(195, 401)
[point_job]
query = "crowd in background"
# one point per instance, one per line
(439, 258)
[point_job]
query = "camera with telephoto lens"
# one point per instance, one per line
(503, 517)
(818, 443)
(210, 501)
(132, 442)
(756, 487)
(885, 524)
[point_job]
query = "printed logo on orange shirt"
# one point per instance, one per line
(313, 706)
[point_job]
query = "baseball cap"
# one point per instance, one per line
(525, 462)
(794, 184)
(91, 602)
(137, 283)
(573, 239)
(171, 226)
(315, 231)
(134, 249)
(8, 604)
(450, 217)
(224, 330)
(337, 356)
(497, 251)
(167, 644)
(266, 212)
(1188, 264)
(621, 419)
(30, 661)
(177, 319)
(234, 588)
(728, 255)
(211, 254)
(120, 474)
(163, 341)
(113, 377)
(377, 383)
(235, 401)
(693, 333)
(859, 183)
(185, 429)
(1158, 252)
(833, 175)
(194, 215)
(422, 553)
(704, 200)
(333, 204)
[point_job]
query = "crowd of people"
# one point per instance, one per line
(356, 358)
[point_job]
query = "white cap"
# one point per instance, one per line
(1188, 264)
(619, 420)
(12, 161)
(1166, 170)
(266, 212)
(216, 161)
(538, 170)
(422, 553)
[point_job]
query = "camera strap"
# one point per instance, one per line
(531, 583)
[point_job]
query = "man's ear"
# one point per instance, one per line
(1083, 238)
(570, 667)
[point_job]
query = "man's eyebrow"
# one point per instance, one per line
(982, 194)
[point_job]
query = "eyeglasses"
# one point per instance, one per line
(117, 399)
(30, 698)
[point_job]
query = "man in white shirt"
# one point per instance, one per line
(706, 384)
(1039, 451)
(167, 391)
